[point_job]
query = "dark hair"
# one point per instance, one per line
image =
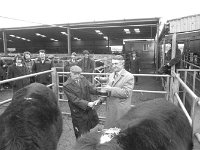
(18, 57)
(86, 52)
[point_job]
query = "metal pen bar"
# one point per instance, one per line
(183, 108)
(26, 76)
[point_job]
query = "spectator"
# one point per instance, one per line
(42, 64)
(135, 65)
(87, 65)
(73, 61)
(2, 72)
(78, 89)
(29, 63)
(176, 60)
(119, 86)
(18, 69)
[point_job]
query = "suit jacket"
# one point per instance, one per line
(134, 65)
(119, 101)
(78, 97)
(38, 66)
(15, 71)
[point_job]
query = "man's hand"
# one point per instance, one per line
(91, 104)
(107, 88)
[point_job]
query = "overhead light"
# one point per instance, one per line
(97, 31)
(75, 38)
(100, 33)
(38, 34)
(28, 40)
(105, 37)
(126, 30)
(137, 30)
(64, 33)
(23, 39)
(12, 35)
(10, 40)
(18, 37)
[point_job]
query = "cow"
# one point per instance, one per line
(152, 125)
(32, 121)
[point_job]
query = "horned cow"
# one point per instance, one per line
(153, 125)
(32, 121)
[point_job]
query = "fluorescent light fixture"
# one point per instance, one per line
(126, 30)
(28, 40)
(10, 40)
(97, 31)
(105, 37)
(137, 30)
(43, 36)
(64, 33)
(100, 33)
(23, 39)
(38, 34)
(12, 35)
(18, 37)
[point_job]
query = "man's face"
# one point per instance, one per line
(117, 65)
(42, 55)
(18, 61)
(27, 56)
(86, 55)
(73, 56)
(75, 75)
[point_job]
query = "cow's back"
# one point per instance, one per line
(32, 120)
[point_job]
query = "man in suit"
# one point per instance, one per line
(87, 64)
(78, 89)
(42, 64)
(119, 86)
(135, 65)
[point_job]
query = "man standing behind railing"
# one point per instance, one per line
(42, 64)
(87, 64)
(18, 69)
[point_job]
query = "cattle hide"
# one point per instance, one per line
(153, 125)
(32, 121)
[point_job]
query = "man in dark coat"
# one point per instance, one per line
(176, 60)
(2, 72)
(42, 64)
(18, 69)
(78, 89)
(135, 65)
(87, 65)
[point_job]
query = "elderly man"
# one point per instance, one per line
(78, 89)
(120, 85)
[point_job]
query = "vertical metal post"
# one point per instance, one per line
(69, 41)
(175, 89)
(184, 91)
(55, 81)
(173, 53)
(156, 46)
(5, 43)
(167, 88)
(164, 49)
(194, 79)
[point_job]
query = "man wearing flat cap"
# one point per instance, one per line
(42, 64)
(120, 84)
(78, 89)
(87, 64)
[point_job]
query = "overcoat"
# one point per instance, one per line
(134, 65)
(119, 101)
(78, 96)
(16, 71)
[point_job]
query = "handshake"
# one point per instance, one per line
(96, 103)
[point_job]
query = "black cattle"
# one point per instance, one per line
(32, 121)
(152, 125)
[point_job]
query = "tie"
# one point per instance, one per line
(78, 82)
(116, 75)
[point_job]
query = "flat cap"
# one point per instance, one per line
(86, 52)
(42, 51)
(75, 69)
(74, 54)
(27, 52)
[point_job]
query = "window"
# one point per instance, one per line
(146, 47)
